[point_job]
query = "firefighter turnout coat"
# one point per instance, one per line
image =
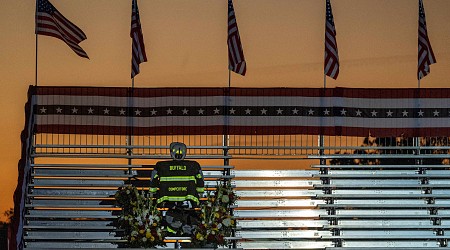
(177, 181)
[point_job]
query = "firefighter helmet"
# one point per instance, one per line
(178, 151)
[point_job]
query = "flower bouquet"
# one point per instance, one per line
(140, 219)
(216, 219)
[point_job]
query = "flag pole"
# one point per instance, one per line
(36, 51)
(36, 63)
(417, 138)
(130, 133)
(321, 139)
(131, 120)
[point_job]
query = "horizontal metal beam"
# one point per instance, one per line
(362, 167)
(379, 156)
(285, 245)
(247, 224)
(121, 156)
(281, 214)
(274, 173)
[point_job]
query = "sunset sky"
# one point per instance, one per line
(283, 43)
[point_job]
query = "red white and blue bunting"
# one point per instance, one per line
(243, 111)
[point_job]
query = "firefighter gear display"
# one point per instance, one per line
(177, 185)
(177, 181)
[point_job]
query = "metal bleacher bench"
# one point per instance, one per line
(386, 206)
(73, 206)
(329, 207)
(277, 210)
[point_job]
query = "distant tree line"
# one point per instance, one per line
(393, 146)
(9, 215)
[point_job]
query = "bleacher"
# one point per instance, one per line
(329, 207)
(72, 205)
(386, 206)
(277, 209)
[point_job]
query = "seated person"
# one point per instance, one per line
(177, 185)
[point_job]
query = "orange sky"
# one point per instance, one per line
(186, 46)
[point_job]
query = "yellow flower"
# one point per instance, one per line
(199, 236)
(141, 231)
(148, 234)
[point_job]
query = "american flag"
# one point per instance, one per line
(50, 22)
(331, 65)
(138, 53)
(236, 58)
(243, 111)
(425, 55)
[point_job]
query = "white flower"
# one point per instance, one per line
(227, 222)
